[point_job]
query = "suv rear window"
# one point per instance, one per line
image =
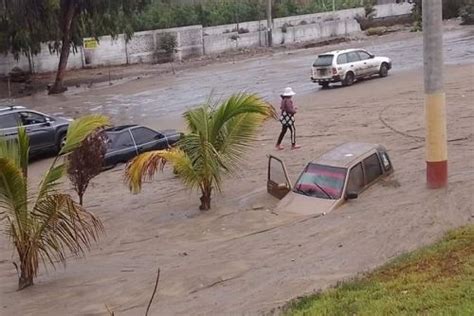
(323, 60)
(8, 121)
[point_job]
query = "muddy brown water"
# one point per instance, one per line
(240, 258)
(159, 101)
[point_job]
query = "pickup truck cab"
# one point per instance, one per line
(338, 175)
(46, 133)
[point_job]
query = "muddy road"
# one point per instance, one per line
(240, 258)
(150, 100)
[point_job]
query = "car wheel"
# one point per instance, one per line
(61, 142)
(108, 167)
(325, 85)
(383, 72)
(349, 79)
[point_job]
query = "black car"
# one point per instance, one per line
(46, 133)
(128, 141)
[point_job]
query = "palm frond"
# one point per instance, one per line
(236, 137)
(143, 168)
(197, 120)
(80, 128)
(239, 104)
(63, 226)
(23, 150)
(13, 198)
(203, 157)
(9, 150)
(51, 180)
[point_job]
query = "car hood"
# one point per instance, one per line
(59, 120)
(305, 205)
(382, 59)
(169, 132)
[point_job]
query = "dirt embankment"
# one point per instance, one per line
(240, 258)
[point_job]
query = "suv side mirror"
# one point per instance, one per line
(47, 121)
(351, 196)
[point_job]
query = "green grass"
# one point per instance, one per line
(436, 280)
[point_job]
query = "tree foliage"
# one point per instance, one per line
(25, 24)
(451, 9)
(86, 162)
(218, 137)
(167, 14)
(47, 225)
(467, 13)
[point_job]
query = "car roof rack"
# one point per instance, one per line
(12, 107)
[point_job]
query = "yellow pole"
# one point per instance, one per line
(435, 104)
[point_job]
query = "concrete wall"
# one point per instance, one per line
(393, 9)
(43, 62)
(318, 30)
(196, 40)
(108, 52)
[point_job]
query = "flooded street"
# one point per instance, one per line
(150, 100)
(241, 258)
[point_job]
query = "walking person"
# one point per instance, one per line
(287, 118)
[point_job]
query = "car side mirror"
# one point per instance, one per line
(47, 121)
(351, 196)
(371, 56)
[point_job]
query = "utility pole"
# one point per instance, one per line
(269, 23)
(435, 100)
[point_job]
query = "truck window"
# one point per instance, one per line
(372, 167)
(387, 165)
(8, 121)
(355, 183)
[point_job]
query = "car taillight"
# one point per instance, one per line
(334, 71)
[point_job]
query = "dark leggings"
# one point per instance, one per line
(284, 128)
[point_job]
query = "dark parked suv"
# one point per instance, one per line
(46, 133)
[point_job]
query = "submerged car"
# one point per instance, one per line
(346, 66)
(127, 141)
(46, 133)
(326, 183)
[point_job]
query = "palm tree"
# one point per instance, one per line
(47, 225)
(217, 139)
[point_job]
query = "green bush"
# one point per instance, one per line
(166, 14)
(451, 8)
(467, 14)
(168, 43)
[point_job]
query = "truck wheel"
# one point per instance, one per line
(325, 85)
(383, 72)
(61, 142)
(349, 79)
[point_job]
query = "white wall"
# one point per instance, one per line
(196, 40)
(393, 9)
(108, 52)
(43, 62)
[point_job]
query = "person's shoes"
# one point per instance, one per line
(295, 147)
(279, 147)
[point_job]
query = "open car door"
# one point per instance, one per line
(278, 183)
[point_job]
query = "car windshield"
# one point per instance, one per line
(323, 60)
(321, 181)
